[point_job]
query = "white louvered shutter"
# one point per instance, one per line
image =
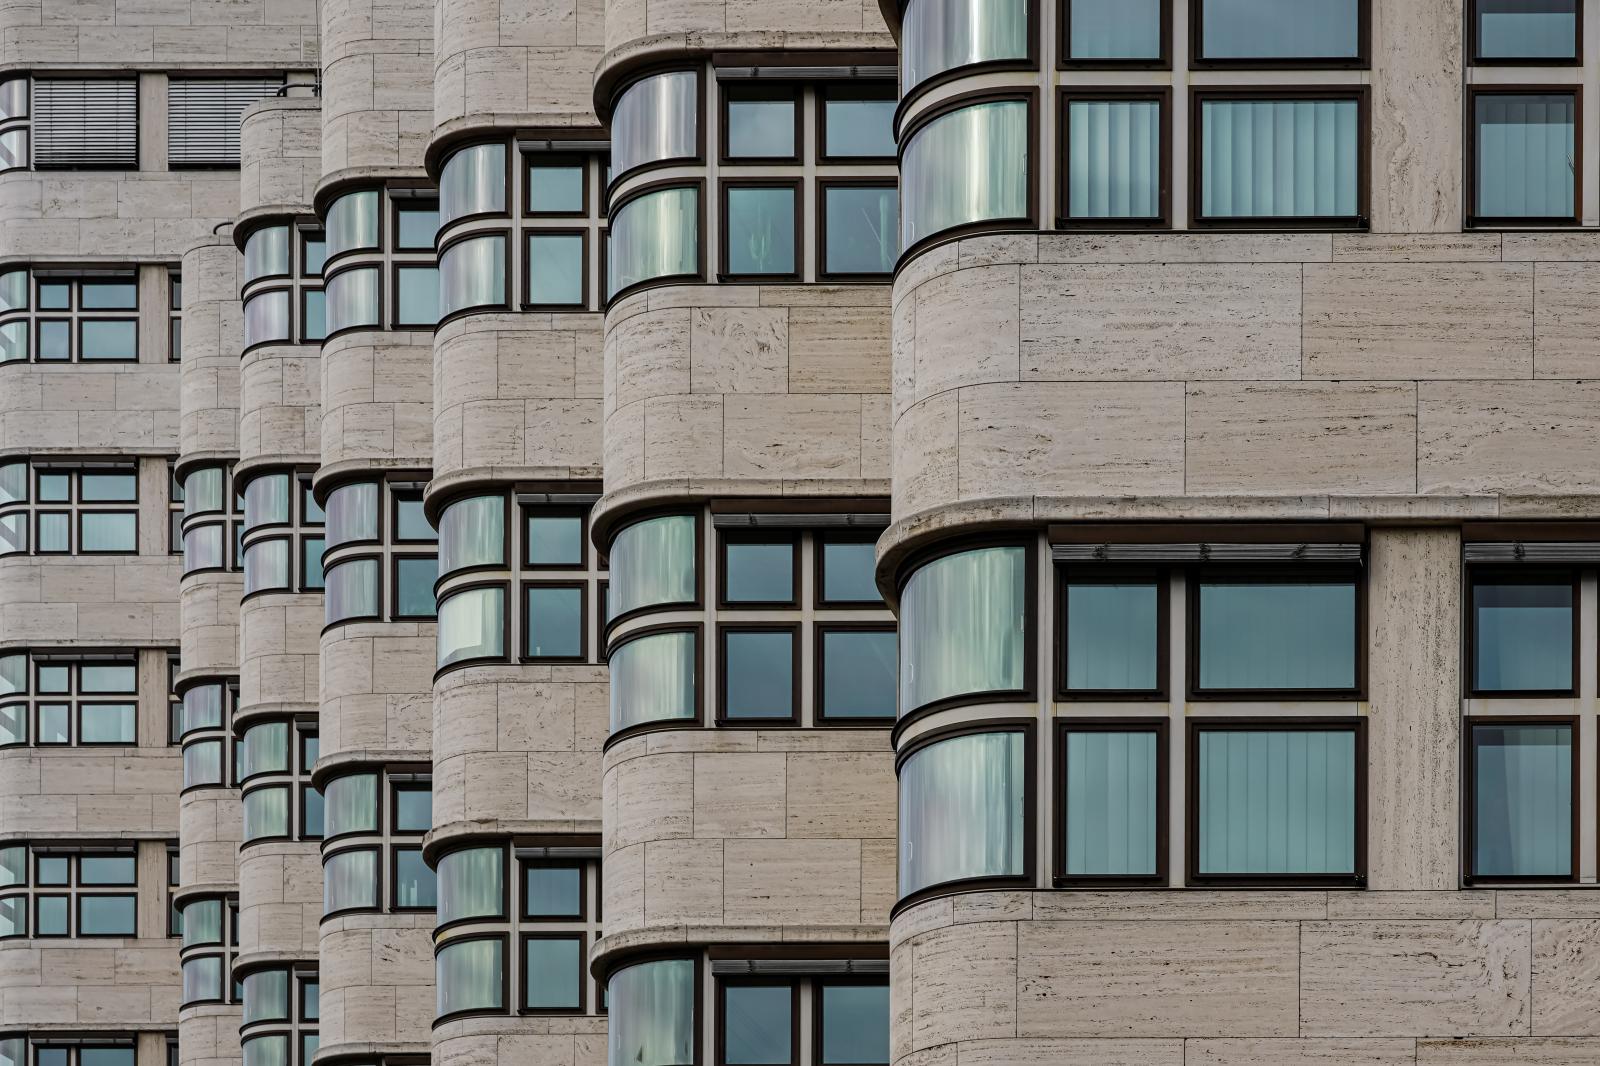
(85, 123)
(203, 118)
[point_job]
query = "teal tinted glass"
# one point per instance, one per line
(757, 1026)
(107, 532)
(1112, 636)
(417, 295)
(417, 224)
(554, 973)
(552, 891)
(1109, 800)
(107, 915)
(1277, 636)
(1114, 159)
(1522, 637)
(1280, 158)
(1525, 147)
(858, 674)
(52, 916)
(109, 295)
(1522, 800)
(414, 579)
(314, 324)
(414, 881)
(1113, 30)
(758, 671)
(760, 236)
(55, 340)
(860, 236)
(855, 1024)
(109, 339)
(555, 622)
(847, 572)
(1283, 29)
(411, 521)
(555, 540)
(107, 870)
(55, 295)
(109, 488)
(758, 573)
(413, 810)
(760, 129)
(555, 269)
(555, 188)
(1527, 29)
(859, 128)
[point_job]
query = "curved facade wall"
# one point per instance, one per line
(376, 103)
(494, 66)
(280, 153)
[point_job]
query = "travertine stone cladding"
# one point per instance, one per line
(209, 605)
(578, 1041)
(1249, 366)
(280, 409)
(163, 33)
(208, 1035)
(98, 214)
(210, 823)
(278, 650)
(518, 392)
(280, 153)
(280, 898)
(123, 408)
(105, 984)
(517, 744)
(377, 93)
(96, 601)
(749, 383)
(773, 24)
(713, 829)
(1245, 978)
(213, 331)
(377, 398)
(495, 60)
(377, 687)
(377, 980)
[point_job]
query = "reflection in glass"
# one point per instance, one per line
(653, 563)
(350, 805)
(472, 625)
(469, 976)
(1114, 159)
(555, 622)
(655, 235)
(655, 119)
(855, 1024)
(653, 679)
(473, 182)
(266, 813)
(471, 884)
(352, 513)
(940, 35)
(352, 222)
(472, 273)
(962, 810)
(861, 236)
(760, 230)
(1522, 800)
(651, 1014)
(351, 299)
(1283, 29)
(1109, 790)
(413, 592)
(351, 590)
(1527, 29)
(266, 253)
(554, 969)
(760, 129)
(965, 166)
(963, 620)
(349, 880)
(862, 129)
(472, 533)
(756, 1024)
(1112, 636)
(1526, 145)
(266, 566)
(555, 268)
(1522, 637)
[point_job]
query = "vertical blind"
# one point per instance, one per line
(86, 123)
(203, 118)
(1526, 155)
(1279, 158)
(1110, 798)
(1522, 801)
(1277, 801)
(1114, 159)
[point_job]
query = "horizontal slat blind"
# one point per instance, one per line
(203, 118)
(85, 123)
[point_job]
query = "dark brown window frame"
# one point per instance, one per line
(1362, 60)
(820, 540)
(1064, 60)
(698, 557)
(511, 157)
(1533, 575)
(1092, 574)
(791, 982)
(507, 259)
(790, 539)
(582, 588)
(824, 186)
(910, 94)
(564, 160)
(507, 860)
(525, 512)
(397, 206)
(820, 629)
(793, 631)
(376, 851)
(698, 630)
(504, 938)
(1469, 761)
(524, 936)
(528, 236)
(699, 157)
(724, 251)
(395, 559)
(1476, 58)
(618, 202)
(380, 239)
(441, 596)
(508, 507)
(524, 914)
(818, 1019)
(1470, 170)
(1159, 728)
(377, 323)
(856, 91)
(1162, 98)
(754, 92)
(395, 270)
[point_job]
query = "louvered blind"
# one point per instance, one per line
(203, 118)
(85, 123)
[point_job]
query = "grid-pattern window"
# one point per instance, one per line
(212, 521)
(69, 508)
(100, 1049)
(273, 761)
(785, 1017)
(282, 285)
(208, 949)
(381, 557)
(375, 818)
(68, 891)
(283, 533)
(51, 316)
(85, 123)
(281, 1011)
(207, 734)
(377, 259)
(203, 116)
(58, 699)
(174, 317)
(14, 123)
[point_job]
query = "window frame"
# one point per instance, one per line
(695, 629)
(820, 627)
(698, 159)
(1361, 61)
(1064, 60)
(818, 1019)
(521, 513)
(523, 938)
(396, 205)
(525, 914)
(1469, 773)
(789, 981)
(577, 160)
(508, 261)
(820, 540)
(350, 266)
(617, 202)
(523, 653)
(1029, 63)
(1195, 726)
(376, 851)
(1523, 575)
(1114, 574)
(395, 558)
(1161, 96)
(528, 234)
(863, 90)
(793, 629)
(727, 276)
(753, 92)
(1476, 58)
(790, 539)
(824, 185)
(1472, 220)
(504, 936)
(443, 596)
(1159, 728)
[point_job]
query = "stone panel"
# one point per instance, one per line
(1521, 437)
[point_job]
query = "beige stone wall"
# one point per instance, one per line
(377, 399)
(280, 898)
(485, 1041)
(278, 651)
(166, 33)
(377, 981)
(709, 831)
(209, 605)
(209, 1035)
(501, 63)
(106, 600)
(280, 410)
(636, 25)
(106, 984)
(280, 153)
(128, 408)
(376, 686)
(377, 92)
(210, 826)
(213, 332)
(113, 214)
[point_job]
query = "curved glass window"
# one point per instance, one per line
(472, 625)
(266, 813)
(13, 342)
(202, 979)
(656, 235)
(266, 1050)
(472, 532)
(266, 501)
(202, 763)
(651, 1014)
(653, 680)
(350, 590)
(471, 884)
(266, 318)
(964, 626)
(204, 548)
(963, 167)
(266, 566)
(264, 750)
(352, 222)
(13, 865)
(350, 880)
(13, 149)
(962, 810)
(202, 922)
(202, 707)
(266, 253)
(203, 490)
(350, 805)
(940, 35)
(266, 996)
(351, 299)
(653, 563)
(472, 273)
(14, 98)
(352, 514)
(14, 290)
(470, 976)
(473, 182)
(656, 119)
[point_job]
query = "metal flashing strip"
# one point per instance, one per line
(812, 520)
(798, 967)
(1206, 552)
(1532, 551)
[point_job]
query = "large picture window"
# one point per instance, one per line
(1298, 633)
(1283, 33)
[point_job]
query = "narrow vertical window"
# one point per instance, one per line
(1525, 161)
(1116, 163)
(1522, 775)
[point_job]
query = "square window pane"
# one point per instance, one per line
(107, 870)
(758, 670)
(109, 296)
(1112, 636)
(555, 188)
(55, 340)
(847, 573)
(1114, 29)
(757, 1024)
(55, 723)
(554, 971)
(1522, 637)
(552, 891)
(1299, 158)
(760, 129)
(861, 235)
(51, 916)
(316, 253)
(1109, 795)
(414, 591)
(108, 532)
(55, 295)
(411, 522)
(104, 339)
(106, 915)
(106, 723)
(1525, 146)
(858, 674)
(413, 810)
(55, 488)
(53, 870)
(855, 1024)
(55, 678)
(106, 1056)
(1527, 29)
(555, 622)
(50, 1056)
(758, 573)
(418, 296)
(1277, 636)
(414, 884)
(1114, 159)
(1522, 802)
(1276, 802)
(760, 236)
(55, 533)
(555, 268)
(1283, 29)
(418, 225)
(555, 540)
(109, 488)
(859, 128)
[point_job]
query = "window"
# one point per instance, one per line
(1116, 158)
(964, 810)
(855, 672)
(1522, 780)
(1525, 31)
(14, 125)
(282, 534)
(562, 230)
(69, 316)
(654, 678)
(760, 122)
(203, 117)
(175, 319)
(760, 1019)
(654, 235)
(556, 271)
(100, 1050)
(760, 673)
(1296, 633)
(1111, 815)
(266, 253)
(964, 166)
(964, 620)
(652, 1013)
(415, 224)
(761, 570)
(473, 182)
(858, 228)
(469, 975)
(276, 759)
(85, 124)
(73, 892)
(351, 300)
(857, 124)
(352, 223)
(1287, 32)
(1277, 802)
(655, 119)
(1524, 634)
(70, 508)
(1524, 151)
(280, 1013)
(349, 881)
(1278, 155)
(557, 185)
(1113, 629)
(1115, 33)
(761, 229)
(211, 522)
(370, 568)
(653, 564)
(61, 699)
(266, 318)
(937, 36)
(472, 273)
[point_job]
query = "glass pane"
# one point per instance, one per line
(413, 880)
(757, 1024)
(758, 573)
(472, 533)
(1277, 801)
(1112, 636)
(411, 521)
(1527, 29)
(858, 674)
(1114, 159)
(310, 1003)
(108, 295)
(54, 678)
(1522, 803)
(109, 488)
(653, 563)
(13, 533)
(202, 922)
(202, 979)
(311, 813)
(651, 1014)
(55, 723)
(266, 501)
(55, 533)
(266, 253)
(14, 289)
(473, 182)
(13, 482)
(13, 727)
(13, 673)
(52, 870)
(656, 235)
(202, 707)
(202, 763)
(472, 625)
(349, 880)
(52, 916)
(1277, 636)
(964, 620)
(759, 674)
(107, 870)
(413, 810)
(266, 813)
(352, 513)
(266, 566)
(760, 129)
(1114, 29)
(55, 295)
(1526, 145)
(855, 1024)
(352, 590)
(264, 750)
(962, 810)
(414, 579)
(266, 318)
(106, 1056)
(1284, 29)
(1279, 158)
(418, 224)
(861, 237)
(106, 723)
(555, 622)
(552, 891)
(266, 1051)
(107, 915)
(472, 273)
(760, 231)
(13, 149)
(13, 341)
(202, 548)
(655, 119)
(14, 865)
(554, 971)
(417, 302)
(965, 166)
(469, 976)
(555, 268)
(202, 490)
(555, 188)
(653, 679)
(266, 996)
(353, 222)
(108, 532)
(352, 299)
(315, 254)
(471, 884)
(351, 805)
(107, 677)
(1522, 637)
(108, 339)
(847, 573)
(311, 563)
(314, 321)
(14, 922)
(939, 35)
(555, 540)
(1109, 791)
(859, 128)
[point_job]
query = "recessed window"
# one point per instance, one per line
(847, 574)
(1280, 157)
(471, 884)
(1112, 630)
(1525, 161)
(859, 233)
(652, 1012)
(555, 269)
(555, 540)
(1113, 802)
(555, 188)
(1284, 634)
(415, 226)
(857, 127)
(552, 974)
(555, 621)
(760, 125)
(1115, 170)
(414, 578)
(1115, 31)
(856, 668)
(1283, 32)
(759, 673)
(758, 1023)
(472, 533)
(760, 224)
(758, 572)
(552, 890)
(416, 295)
(1524, 634)
(854, 1023)
(963, 810)
(1522, 777)
(1530, 31)
(653, 564)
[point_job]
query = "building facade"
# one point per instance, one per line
(811, 532)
